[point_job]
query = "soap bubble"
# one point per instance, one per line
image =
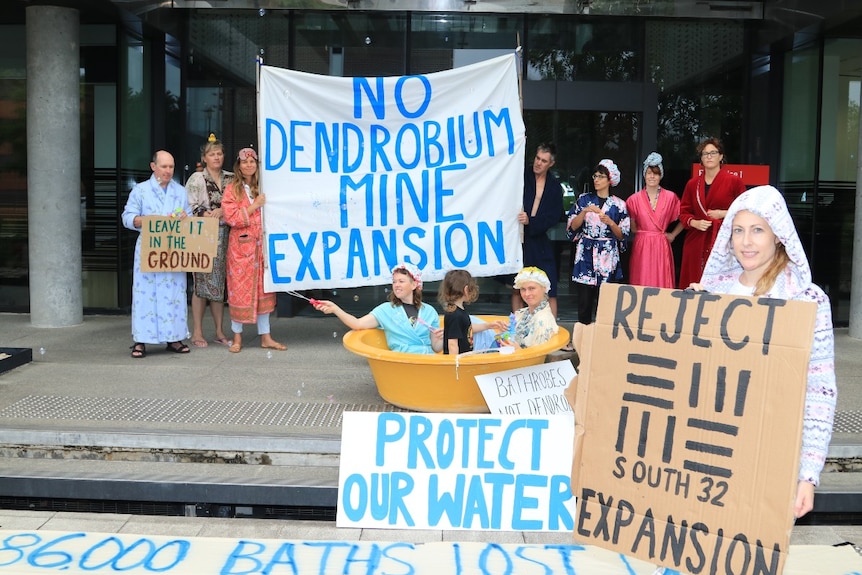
(298, 393)
(268, 355)
(356, 298)
(334, 334)
(42, 351)
(334, 292)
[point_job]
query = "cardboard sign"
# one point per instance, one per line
(455, 471)
(536, 390)
(178, 245)
(363, 173)
(751, 174)
(688, 425)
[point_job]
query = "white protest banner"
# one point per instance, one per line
(455, 471)
(363, 173)
(90, 553)
(536, 390)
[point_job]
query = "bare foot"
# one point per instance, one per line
(267, 342)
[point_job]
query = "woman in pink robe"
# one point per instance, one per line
(241, 206)
(651, 211)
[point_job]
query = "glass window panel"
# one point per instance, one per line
(444, 41)
(574, 48)
(835, 204)
(14, 262)
(354, 44)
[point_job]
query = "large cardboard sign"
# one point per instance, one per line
(454, 471)
(363, 173)
(171, 244)
(536, 390)
(688, 424)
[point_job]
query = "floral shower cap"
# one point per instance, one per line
(412, 271)
(532, 274)
(613, 170)
(654, 161)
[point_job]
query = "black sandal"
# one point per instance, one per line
(139, 350)
(177, 347)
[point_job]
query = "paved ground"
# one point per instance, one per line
(82, 378)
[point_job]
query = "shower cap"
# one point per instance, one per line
(654, 161)
(412, 271)
(532, 274)
(613, 170)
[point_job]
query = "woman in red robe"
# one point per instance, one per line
(241, 206)
(705, 201)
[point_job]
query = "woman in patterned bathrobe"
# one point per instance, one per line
(241, 209)
(599, 226)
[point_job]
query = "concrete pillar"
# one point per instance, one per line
(54, 166)
(856, 262)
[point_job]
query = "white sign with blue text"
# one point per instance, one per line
(455, 471)
(363, 173)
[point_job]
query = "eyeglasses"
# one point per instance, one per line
(599, 176)
(710, 154)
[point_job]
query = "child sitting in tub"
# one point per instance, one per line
(410, 326)
(459, 288)
(535, 323)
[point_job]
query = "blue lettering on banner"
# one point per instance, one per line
(95, 553)
(377, 97)
(455, 245)
(466, 138)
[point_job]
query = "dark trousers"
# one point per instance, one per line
(588, 300)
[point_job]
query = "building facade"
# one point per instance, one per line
(778, 81)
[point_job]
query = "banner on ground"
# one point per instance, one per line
(90, 553)
(363, 173)
(688, 427)
(171, 244)
(455, 471)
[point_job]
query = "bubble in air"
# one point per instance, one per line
(330, 398)
(41, 351)
(298, 393)
(268, 355)
(334, 292)
(334, 334)
(356, 298)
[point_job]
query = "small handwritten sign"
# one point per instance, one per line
(178, 245)
(534, 390)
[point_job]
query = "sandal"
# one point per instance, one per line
(274, 345)
(139, 350)
(177, 347)
(235, 347)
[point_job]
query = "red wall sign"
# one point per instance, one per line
(751, 174)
